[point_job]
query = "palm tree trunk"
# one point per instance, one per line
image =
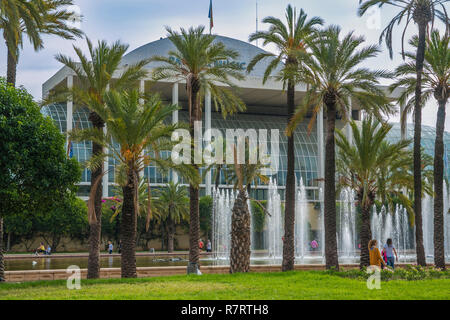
(331, 256)
(11, 71)
(365, 235)
(420, 57)
(194, 219)
(95, 229)
(439, 251)
(128, 229)
(170, 236)
(289, 216)
(2, 263)
(240, 235)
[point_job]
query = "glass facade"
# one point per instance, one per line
(427, 141)
(306, 150)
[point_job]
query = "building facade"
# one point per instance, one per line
(266, 109)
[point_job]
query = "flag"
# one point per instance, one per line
(210, 16)
(70, 150)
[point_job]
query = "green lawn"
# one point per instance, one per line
(292, 285)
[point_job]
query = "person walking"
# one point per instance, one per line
(374, 253)
(208, 246)
(389, 250)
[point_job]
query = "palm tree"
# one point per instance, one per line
(242, 176)
(290, 39)
(423, 13)
(197, 60)
(435, 83)
(334, 79)
(360, 165)
(94, 77)
(172, 205)
(33, 18)
(132, 128)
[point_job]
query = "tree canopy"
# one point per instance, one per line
(35, 169)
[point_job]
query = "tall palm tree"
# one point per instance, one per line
(33, 18)
(172, 205)
(436, 84)
(133, 127)
(94, 76)
(197, 60)
(422, 13)
(290, 39)
(360, 164)
(242, 176)
(334, 77)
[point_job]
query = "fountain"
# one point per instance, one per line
(385, 223)
(394, 225)
(447, 220)
(347, 232)
(222, 211)
(274, 222)
(301, 221)
(427, 225)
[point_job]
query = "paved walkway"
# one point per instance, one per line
(86, 254)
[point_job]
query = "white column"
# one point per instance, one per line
(105, 178)
(348, 129)
(175, 120)
(320, 147)
(208, 137)
(321, 172)
(141, 101)
(69, 109)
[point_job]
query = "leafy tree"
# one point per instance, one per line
(435, 84)
(334, 78)
(66, 218)
(259, 221)
(423, 13)
(360, 165)
(134, 127)
(290, 39)
(20, 229)
(33, 18)
(94, 76)
(206, 208)
(197, 60)
(35, 170)
(243, 176)
(172, 207)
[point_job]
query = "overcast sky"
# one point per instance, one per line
(138, 22)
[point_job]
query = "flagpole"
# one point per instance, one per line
(257, 21)
(210, 16)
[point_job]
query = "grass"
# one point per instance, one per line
(265, 286)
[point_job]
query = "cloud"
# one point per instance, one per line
(138, 22)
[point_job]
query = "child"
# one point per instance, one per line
(389, 250)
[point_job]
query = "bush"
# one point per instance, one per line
(409, 273)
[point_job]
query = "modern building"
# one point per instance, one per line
(266, 109)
